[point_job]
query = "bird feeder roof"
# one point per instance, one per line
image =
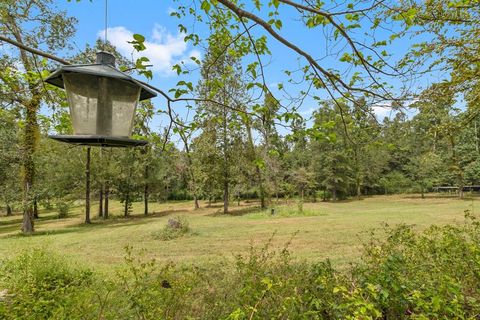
(100, 70)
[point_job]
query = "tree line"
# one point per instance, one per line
(231, 157)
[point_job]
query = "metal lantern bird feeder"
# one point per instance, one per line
(102, 102)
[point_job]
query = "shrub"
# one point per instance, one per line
(39, 284)
(395, 182)
(175, 228)
(433, 274)
(63, 209)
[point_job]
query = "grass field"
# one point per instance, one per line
(325, 229)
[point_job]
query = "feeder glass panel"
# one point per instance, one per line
(101, 106)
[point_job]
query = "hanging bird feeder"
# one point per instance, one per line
(102, 102)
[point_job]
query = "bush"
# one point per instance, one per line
(433, 274)
(395, 182)
(39, 284)
(175, 228)
(63, 209)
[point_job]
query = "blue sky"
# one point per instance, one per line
(165, 46)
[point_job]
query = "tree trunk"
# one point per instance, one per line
(477, 147)
(263, 204)
(29, 144)
(253, 157)
(35, 208)
(334, 194)
(145, 192)
(225, 196)
(456, 163)
(195, 199)
(30, 136)
(100, 202)
(422, 191)
(9, 210)
(107, 195)
(87, 187)
(126, 213)
(145, 200)
(359, 189)
(27, 223)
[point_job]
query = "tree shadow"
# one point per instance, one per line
(115, 221)
(19, 220)
(236, 212)
(16, 224)
(42, 233)
(349, 200)
(466, 197)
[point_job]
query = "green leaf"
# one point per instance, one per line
(177, 68)
(346, 57)
(278, 24)
(205, 6)
(138, 37)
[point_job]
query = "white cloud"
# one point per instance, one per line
(382, 110)
(163, 48)
(308, 112)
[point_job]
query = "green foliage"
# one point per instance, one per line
(63, 208)
(175, 228)
(40, 284)
(433, 274)
(150, 291)
(395, 182)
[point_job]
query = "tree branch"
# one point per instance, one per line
(33, 50)
(331, 77)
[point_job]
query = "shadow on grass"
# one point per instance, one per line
(12, 225)
(466, 197)
(19, 218)
(115, 221)
(236, 212)
(348, 200)
(43, 233)
(130, 220)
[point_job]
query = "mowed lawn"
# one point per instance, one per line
(323, 230)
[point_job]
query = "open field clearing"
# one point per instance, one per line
(323, 230)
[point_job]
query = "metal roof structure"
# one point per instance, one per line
(103, 68)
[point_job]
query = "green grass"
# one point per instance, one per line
(325, 229)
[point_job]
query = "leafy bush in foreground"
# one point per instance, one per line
(40, 285)
(434, 274)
